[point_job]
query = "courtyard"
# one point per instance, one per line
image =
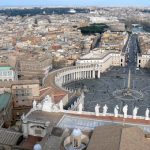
(100, 91)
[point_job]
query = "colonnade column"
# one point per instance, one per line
(64, 79)
(85, 74)
(98, 74)
(74, 76)
(79, 74)
(93, 74)
(61, 80)
(68, 76)
(90, 74)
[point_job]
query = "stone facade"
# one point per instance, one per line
(143, 60)
(103, 59)
(7, 74)
(23, 96)
(34, 67)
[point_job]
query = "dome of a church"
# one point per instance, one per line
(37, 147)
(76, 132)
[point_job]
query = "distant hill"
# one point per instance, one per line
(39, 11)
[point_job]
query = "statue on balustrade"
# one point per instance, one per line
(61, 105)
(34, 104)
(116, 110)
(125, 110)
(105, 108)
(147, 114)
(135, 110)
(97, 110)
(80, 108)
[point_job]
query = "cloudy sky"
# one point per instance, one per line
(74, 2)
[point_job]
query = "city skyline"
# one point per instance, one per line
(117, 3)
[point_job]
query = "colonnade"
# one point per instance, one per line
(74, 73)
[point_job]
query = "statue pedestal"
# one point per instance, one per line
(134, 117)
(146, 118)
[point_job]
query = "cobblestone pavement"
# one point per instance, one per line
(100, 91)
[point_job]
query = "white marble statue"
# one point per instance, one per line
(55, 108)
(48, 98)
(116, 110)
(47, 104)
(135, 110)
(97, 110)
(105, 108)
(39, 106)
(147, 114)
(82, 95)
(80, 108)
(34, 104)
(125, 111)
(23, 117)
(61, 105)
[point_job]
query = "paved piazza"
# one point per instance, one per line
(100, 91)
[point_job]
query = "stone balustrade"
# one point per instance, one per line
(101, 114)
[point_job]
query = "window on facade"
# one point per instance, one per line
(29, 92)
(18, 92)
(4, 73)
(24, 92)
(9, 73)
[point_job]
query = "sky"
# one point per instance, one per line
(138, 3)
